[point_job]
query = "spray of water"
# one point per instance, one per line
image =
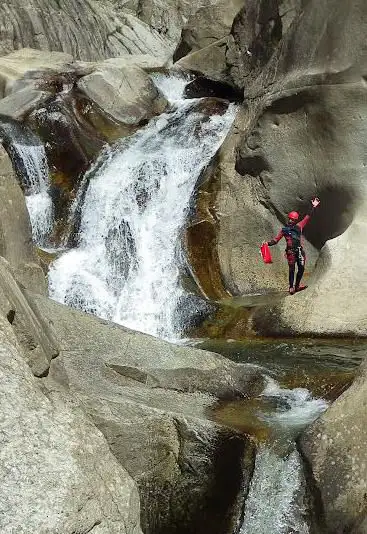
(298, 407)
(125, 267)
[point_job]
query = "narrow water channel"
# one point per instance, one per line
(302, 378)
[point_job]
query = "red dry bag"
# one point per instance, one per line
(265, 253)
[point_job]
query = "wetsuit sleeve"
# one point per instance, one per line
(305, 219)
(276, 239)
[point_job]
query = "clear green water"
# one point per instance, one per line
(325, 368)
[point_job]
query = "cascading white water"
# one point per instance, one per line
(125, 267)
(275, 502)
(38, 200)
(29, 158)
(271, 506)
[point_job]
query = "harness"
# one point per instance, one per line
(294, 251)
(292, 236)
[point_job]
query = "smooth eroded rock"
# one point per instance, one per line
(15, 231)
(127, 94)
(57, 473)
(301, 133)
(335, 452)
(151, 400)
(15, 67)
(209, 61)
(88, 31)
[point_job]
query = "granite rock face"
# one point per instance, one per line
(89, 30)
(15, 230)
(96, 30)
(152, 401)
(334, 448)
(300, 133)
(57, 473)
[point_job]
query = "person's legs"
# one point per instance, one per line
(301, 259)
(291, 258)
(292, 269)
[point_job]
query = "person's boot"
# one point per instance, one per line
(300, 288)
(292, 291)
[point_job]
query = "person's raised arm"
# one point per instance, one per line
(315, 202)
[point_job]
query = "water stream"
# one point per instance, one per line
(126, 265)
(277, 499)
(275, 503)
(30, 162)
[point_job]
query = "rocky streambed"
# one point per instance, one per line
(108, 430)
(294, 454)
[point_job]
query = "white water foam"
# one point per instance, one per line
(298, 409)
(36, 183)
(172, 87)
(274, 504)
(126, 265)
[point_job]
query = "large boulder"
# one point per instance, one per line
(125, 93)
(118, 87)
(18, 105)
(151, 400)
(57, 473)
(302, 132)
(34, 337)
(334, 448)
(208, 23)
(233, 41)
(15, 231)
(255, 34)
(209, 61)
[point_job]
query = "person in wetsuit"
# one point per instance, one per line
(294, 251)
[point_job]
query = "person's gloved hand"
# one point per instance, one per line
(315, 202)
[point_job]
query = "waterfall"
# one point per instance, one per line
(276, 500)
(38, 200)
(125, 267)
(30, 162)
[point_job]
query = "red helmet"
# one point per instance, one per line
(293, 215)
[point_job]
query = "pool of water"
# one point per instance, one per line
(303, 377)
